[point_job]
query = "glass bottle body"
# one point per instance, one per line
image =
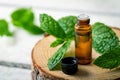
(83, 42)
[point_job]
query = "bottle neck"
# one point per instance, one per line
(83, 22)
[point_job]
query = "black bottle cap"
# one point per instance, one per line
(69, 65)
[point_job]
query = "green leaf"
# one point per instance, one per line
(49, 25)
(109, 60)
(59, 54)
(22, 16)
(4, 29)
(33, 29)
(68, 23)
(104, 38)
(57, 42)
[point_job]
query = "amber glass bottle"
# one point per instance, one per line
(83, 40)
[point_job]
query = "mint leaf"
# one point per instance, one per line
(24, 18)
(68, 23)
(4, 29)
(33, 29)
(110, 59)
(57, 42)
(104, 38)
(49, 25)
(56, 58)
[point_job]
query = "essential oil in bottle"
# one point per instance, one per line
(83, 40)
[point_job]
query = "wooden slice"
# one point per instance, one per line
(42, 52)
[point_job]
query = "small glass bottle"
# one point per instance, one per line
(83, 40)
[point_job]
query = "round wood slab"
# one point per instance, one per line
(42, 52)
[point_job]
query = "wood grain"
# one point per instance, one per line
(42, 52)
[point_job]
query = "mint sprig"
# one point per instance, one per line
(63, 30)
(106, 42)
